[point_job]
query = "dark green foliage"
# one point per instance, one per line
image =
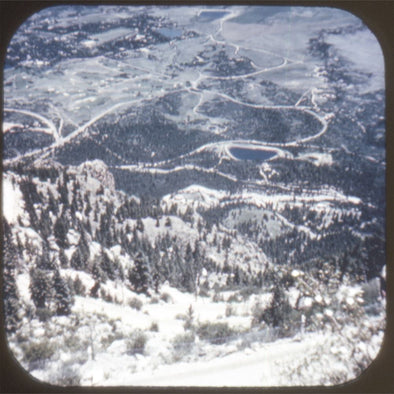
(107, 265)
(31, 197)
(187, 278)
(60, 231)
(139, 275)
(97, 272)
(77, 262)
(78, 286)
(10, 292)
(63, 259)
(279, 313)
(40, 287)
(63, 300)
(45, 224)
(46, 262)
(83, 245)
(140, 225)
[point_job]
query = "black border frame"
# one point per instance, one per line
(378, 15)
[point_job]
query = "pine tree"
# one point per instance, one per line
(140, 225)
(45, 262)
(63, 259)
(60, 231)
(52, 203)
(277, 314)
(76, 261)
(187, 277)
(107, 265)
(83, 245)
(40, 287)
(139, 275)
(63, 299)
(10, 292)
(97, 272)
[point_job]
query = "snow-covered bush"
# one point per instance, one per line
(136, 344)
(166, 297)
(135, 303)
(215, 332)
(68, 375)
(182, 345)
(106, 341)
(154, 327)
(341, 357)
(36, 354)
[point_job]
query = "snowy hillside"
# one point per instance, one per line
(194, 197)
(113, 281)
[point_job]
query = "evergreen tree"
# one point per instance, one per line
(76, 261)
(97, 272)
(52, 203)
(63, 259)
(40, 287)
(10, 292)
(187, 276)
(94, 290)
(78, 286)
(107, 265)
(140, 225)
(278, 313)
(63, 299)
(60, 231)
(45, 262)
(83, 245)
(139, 275)
(45, 224)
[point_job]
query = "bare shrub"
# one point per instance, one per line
(107, 340)
(154, 300)
(216, 333)
(234, 298)
(182, 345)
(136, 303)
(37, 353)
(166, 297)
(67, 376)
(154, 327)
(217, 297)
(230, 310)
(136, 344)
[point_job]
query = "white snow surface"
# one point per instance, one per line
(13, 204)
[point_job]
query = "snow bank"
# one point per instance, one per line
(13, 204)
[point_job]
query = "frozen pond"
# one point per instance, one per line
(252, 153)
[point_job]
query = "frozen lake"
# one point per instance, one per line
(252, 154)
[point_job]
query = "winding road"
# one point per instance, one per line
(194, 89)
